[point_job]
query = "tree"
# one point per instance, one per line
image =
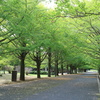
(78, 8)
(20, 19)
(85, 15)
(65, 34)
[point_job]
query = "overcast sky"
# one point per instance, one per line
(49, 4)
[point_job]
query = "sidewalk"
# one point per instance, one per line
(67, 87)
(6, 78)
(80, 87)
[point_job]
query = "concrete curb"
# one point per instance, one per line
(98, 81)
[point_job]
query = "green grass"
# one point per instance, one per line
(8, 77)
(41, 75)
(2, 72)
(93, 70)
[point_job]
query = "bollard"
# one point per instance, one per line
(14, 75)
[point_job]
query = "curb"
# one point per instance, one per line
(98, 81)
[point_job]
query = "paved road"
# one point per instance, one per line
(67, 87)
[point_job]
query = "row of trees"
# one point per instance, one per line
(86, 14)
(65, 37)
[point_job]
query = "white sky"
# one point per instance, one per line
(49, 4)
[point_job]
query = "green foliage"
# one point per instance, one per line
(78, 8)
(72, 31)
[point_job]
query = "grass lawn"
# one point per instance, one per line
(35, 75)
(6, 78)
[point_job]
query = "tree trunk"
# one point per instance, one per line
(75, 70)
(67, 69)
(49, 63)
(61, 67)
(99, 71)
(85, 70)
(71, 69)
(38, 69)
(22, 68)
(56, 68)
(4, 69)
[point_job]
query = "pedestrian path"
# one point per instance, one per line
(82, 87)
(6, 78)
(67, 87)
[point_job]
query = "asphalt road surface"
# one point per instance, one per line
(67, 87)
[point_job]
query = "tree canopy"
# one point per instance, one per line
(68, 35)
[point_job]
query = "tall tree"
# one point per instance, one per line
(20, 18)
